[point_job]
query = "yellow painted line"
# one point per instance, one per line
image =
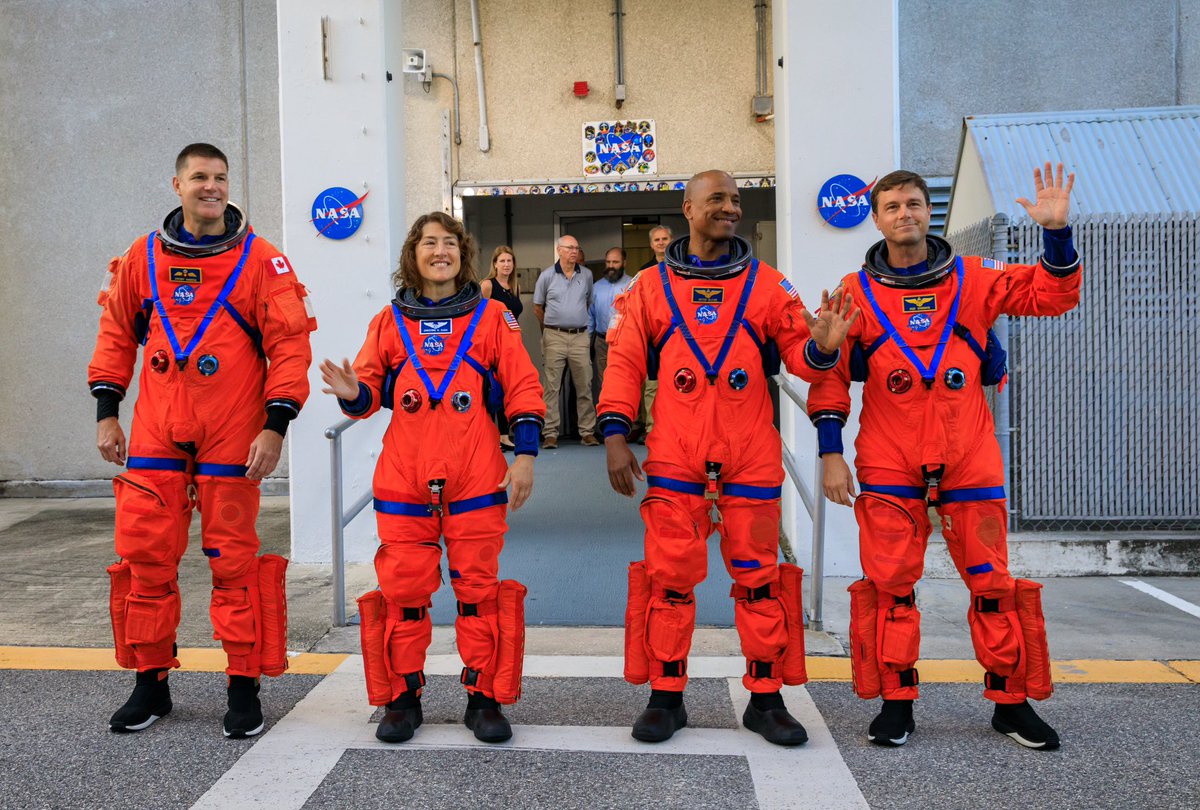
(194, 660)
(1189, 669)
(819, 668)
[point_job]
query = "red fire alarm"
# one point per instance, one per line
(581, 89)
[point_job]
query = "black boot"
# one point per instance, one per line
(245, 717)
(766, 715)
(1021, 722)
(664, 715)
(485, 719)
(893, 724)
(402, 718)
(151, 699)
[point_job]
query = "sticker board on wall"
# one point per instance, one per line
(616, 148)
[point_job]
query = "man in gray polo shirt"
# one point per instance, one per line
(561, 299)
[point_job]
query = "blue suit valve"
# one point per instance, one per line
(461, 401)
(955, 378)
(207, 365)
(738, 379)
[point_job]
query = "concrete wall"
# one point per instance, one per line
(973, 58)
(697, 92)
(98, 99)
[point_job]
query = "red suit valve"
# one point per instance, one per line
(160, 361)
(899, 381)
(685, 381)
(411, 401)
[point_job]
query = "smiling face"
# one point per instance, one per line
(659, 239)
(902, 216)
(713, 207)
(203, 189)
(439, 258)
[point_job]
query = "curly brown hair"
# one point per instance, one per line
(407, 274)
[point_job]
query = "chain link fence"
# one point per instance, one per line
(1103, 399)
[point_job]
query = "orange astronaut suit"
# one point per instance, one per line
(443, 368)
(711, 335)
(925, 352)
(225, 329)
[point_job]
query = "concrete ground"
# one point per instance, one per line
(1125, 705)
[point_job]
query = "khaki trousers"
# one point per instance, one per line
(561, 349)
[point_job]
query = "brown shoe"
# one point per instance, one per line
(590, 441)
(550, 443)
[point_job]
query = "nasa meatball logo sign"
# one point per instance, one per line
(337, 212)
(844, 201)
(184, 295)
(433, 345)
(920, 322)
(706, 314)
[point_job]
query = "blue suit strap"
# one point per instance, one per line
(731, 489)
(870, 350)
(965, 333)
(478, 502)
(475, 364)
(156, 463)
(748, 491)
(221, 470)
(436, 393)
(674, 485)
(971, 494)
(738, 314)
(402, 508)
(750, 331)
(254, 335)
(928, 373)
(895, 490)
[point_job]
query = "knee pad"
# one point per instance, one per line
(670, 620)
(637, 662)
(1010, 637)
(791, 580)
(864, 658)
(118, 574)
(153, 514)
(272, 596)
(761, 621)
(378, 619)
(249, 618)
(510, 643)
(229, 510)
(150, 623)
(891, 541)
(1038, 683)
(372, 615)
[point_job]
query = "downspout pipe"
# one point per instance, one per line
(619, 17)
(485, 142)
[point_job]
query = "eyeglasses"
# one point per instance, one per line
(568, 247)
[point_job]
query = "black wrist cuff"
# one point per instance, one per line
(278, 417)
(108, 403)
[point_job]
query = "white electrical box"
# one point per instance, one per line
(413, 60)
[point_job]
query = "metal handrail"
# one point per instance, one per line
(814, 502)
(339, 518)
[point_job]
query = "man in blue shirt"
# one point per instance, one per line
(604, 292)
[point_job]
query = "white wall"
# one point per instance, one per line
(836, 113)
(346, 131)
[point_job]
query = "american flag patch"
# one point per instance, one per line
(511, 320)
(991, 264)
(788, 288)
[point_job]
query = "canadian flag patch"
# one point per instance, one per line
(280, 263)
(511, 320)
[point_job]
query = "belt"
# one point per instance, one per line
(602, 336)
(568, 331)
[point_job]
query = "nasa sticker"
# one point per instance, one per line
(920, 322)
(337, 212)
(844, 201)
(706, 315)
(184, 295)
(433, 345)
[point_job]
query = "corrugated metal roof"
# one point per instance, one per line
(1125, 161)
